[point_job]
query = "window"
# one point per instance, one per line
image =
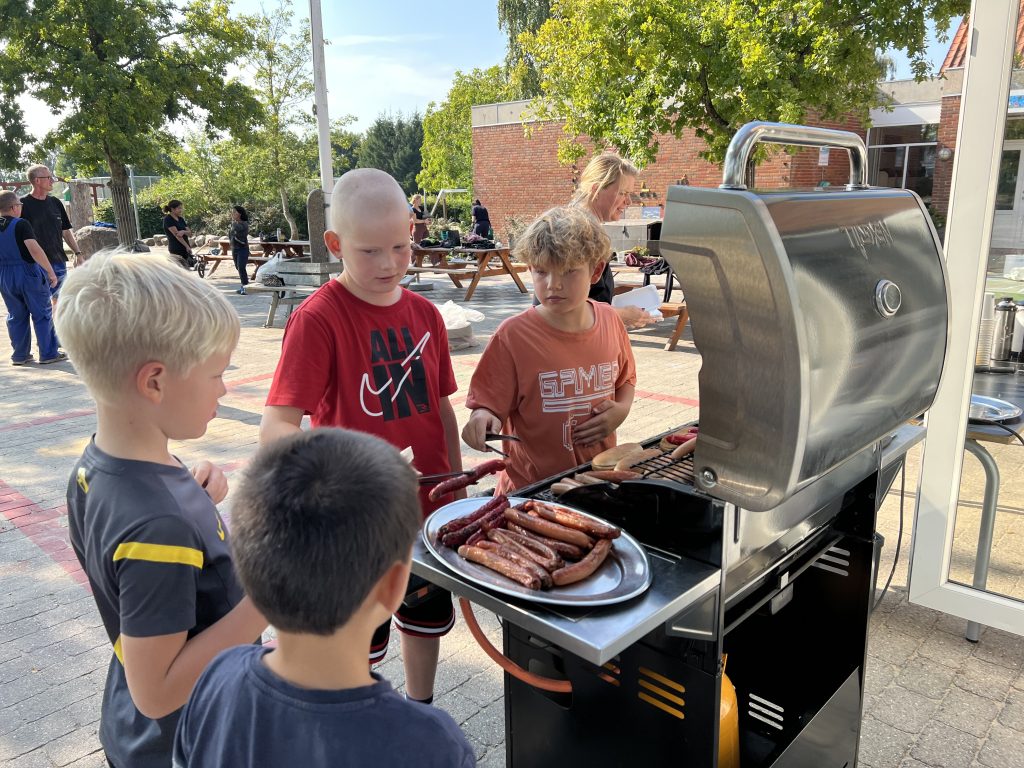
(903, 156)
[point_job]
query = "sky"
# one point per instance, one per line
(398, 55)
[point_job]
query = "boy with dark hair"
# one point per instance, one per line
(151, 342)
(364, 353)
(322, 534)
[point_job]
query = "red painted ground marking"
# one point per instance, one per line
(240, 382)
(46, 420)
(43, 528)
(645, 395)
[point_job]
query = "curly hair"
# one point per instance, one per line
(563, 238)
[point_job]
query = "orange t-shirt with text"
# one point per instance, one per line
(542, 382)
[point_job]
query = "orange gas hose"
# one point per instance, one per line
(544, 683)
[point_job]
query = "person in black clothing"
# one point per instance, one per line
(419, 218)
(481, 220)
(178, 233)
(25, 273)
(239, 237)
(50, 222)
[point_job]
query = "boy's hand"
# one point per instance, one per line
(606, 418)
(213, 480)
(481, 421)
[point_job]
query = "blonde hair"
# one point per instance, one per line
(365, 190)
(563, 238)
(601, 172)
(33, 171)
(416, 198)
(120, 310)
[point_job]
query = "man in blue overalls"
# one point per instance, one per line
(26, 277)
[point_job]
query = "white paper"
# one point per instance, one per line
(647, 298)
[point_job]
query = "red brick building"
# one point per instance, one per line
(910, 145)
(518, 176)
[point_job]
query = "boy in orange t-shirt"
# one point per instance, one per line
(560, 376)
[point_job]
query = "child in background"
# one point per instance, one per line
(560, 376)
(364, 353)
(151, 343)
(322, 532)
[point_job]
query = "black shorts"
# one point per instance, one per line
(427, 611)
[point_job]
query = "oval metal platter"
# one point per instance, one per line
(625, 573)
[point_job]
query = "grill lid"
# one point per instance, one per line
(821, 318)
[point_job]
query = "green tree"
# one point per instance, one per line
(284, 83)
(620, 73)
(447, 128)
(393, 144)
(119, 72)
(514, 18)
(344, 146)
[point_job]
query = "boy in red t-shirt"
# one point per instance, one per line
(560, 376)
(364, 353)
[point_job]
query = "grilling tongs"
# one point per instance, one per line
(437, 478)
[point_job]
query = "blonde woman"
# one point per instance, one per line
(419, 218)
(605, 188)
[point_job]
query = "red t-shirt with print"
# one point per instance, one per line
(382, 370)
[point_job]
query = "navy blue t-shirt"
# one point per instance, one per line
(156, 554)
(242, 714)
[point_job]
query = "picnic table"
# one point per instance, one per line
(455, 263)
(292, 248)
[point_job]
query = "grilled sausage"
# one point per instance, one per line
(685, 449)
(472, 517)
(499, 564)
(504, 550)
(549, 529)
(597, 528)
(462, 535)
(562, 548)
(539, 553)
(570, 574)
(453, 484)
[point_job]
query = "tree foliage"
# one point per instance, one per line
(623, 72)
(447, 128)
(283, 73)
(393, 144)
(118, 72)
(514, 18)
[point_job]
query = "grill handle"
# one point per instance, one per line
(747, 137)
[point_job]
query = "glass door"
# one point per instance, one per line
(964, 560)
(1008, 221)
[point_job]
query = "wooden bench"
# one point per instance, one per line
(301, 280)
(208, 258)
(441, 270)
(675, 309)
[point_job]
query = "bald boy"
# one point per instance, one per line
(364, 353)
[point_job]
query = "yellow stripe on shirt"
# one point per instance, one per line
(117, 650)
(158, 553)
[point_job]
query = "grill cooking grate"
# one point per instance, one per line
(667, 468)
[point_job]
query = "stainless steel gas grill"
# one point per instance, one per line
(821, 318)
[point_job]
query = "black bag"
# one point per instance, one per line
(657, 267)
(268, 237)
(451, 238)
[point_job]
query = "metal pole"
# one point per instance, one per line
(323, 122)
(135, 204)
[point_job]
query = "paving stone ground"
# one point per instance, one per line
(932, 698)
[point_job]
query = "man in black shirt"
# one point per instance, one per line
(49, 220)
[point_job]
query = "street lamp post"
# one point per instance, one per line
(135, 204)
(323, 123)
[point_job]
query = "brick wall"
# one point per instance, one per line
(949, 121)
(518, 176)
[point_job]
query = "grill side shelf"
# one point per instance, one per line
(593, 634)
